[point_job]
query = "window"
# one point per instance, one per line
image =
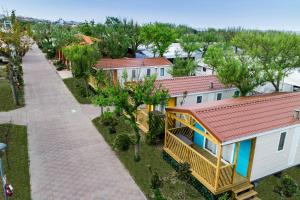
(237, 93)
(148, 72)
(204, 69)
(281, 141)
(133, 73)
(199, 99)
(210, 146)
(219, 96)
(162, 71)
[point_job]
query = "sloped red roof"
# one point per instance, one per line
(235, 118)
(109, 63)
(190, 84)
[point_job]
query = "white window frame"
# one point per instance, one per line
(133, 72)
(148, 70)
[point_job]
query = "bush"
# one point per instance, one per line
(224, 196)
(59, 65)
(287, 187)
(107, 118)
(122, 142)
(156, 128)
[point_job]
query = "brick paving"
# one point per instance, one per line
(69, 159)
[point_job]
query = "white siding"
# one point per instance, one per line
(142, 72)
(267, 158)
(191, 99)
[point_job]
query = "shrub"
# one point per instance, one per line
(122, 142)
(224, 196)
(287, 187)
(156, 127)
(108, 119)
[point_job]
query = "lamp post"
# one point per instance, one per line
(2, 149)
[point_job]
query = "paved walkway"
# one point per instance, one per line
(69, 159)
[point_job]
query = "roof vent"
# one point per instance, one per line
(296, 114)
(211, 86)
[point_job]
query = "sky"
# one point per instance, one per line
(250, 14)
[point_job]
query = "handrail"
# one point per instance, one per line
(193, 150)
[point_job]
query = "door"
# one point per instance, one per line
(243, 158)
(172, 102)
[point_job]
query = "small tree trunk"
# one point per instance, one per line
(86, 87)
(101, 107)
(13, 86)
(137, 156)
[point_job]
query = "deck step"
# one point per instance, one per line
(241, 188)
(247, 195)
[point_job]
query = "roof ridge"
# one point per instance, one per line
(249, 101)
(186, 77)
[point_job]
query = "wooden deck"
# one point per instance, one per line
(204, 165)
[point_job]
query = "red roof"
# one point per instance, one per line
(131, 62)
(190, 84)
(235, 118)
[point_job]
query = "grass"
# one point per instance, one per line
(17, 156)
(266, 185)
(6, 97)
(150, 155)
(77, 88)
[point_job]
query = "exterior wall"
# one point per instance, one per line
(142, 72)
(206, 97)
(267, 158)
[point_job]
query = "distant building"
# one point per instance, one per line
(175, 50)
(291, 83)
(136, 68)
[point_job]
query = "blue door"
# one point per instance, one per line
(243, 158)
(199, 139)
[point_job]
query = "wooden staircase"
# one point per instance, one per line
(244, 191)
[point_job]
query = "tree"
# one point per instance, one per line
(144, 92)
(278, 53)
(190, 43)
(183, 67)
(233, 69)
(132, 30)
(208, 38)
(158, 36)
(214, 56)
(83, 58)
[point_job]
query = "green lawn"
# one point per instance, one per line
(6, 98)
(76, 86)
(151, 155)
(17, 154)
(266, 185)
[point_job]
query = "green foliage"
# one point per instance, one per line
(190, 43)
(235, 69)
(144, 92)
(224, 196)
(183, 67)
(107, 118)
(287, 187)
(156, 127)
(184, 172)
(159, 36)
(78, 89)
(122, 142)
(278, 53)
(156, 181)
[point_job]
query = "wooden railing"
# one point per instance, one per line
(200, 165)
(142, 119)
(226, 175)
(187, 132)
(202, 168)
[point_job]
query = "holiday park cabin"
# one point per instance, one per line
(135, 68)
(189, 90)
(233, 142)
(82, 40)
